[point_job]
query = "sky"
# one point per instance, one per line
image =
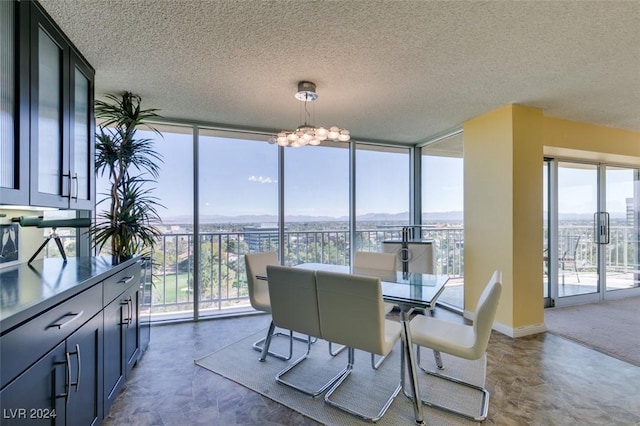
(240, 177)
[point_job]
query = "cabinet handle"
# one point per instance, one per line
(64, 324)
(126, 320)
(75, 178)
(67, 175)
(76, 384)
(67, 363)
(126, 280)
(79, 367)
(130, 301)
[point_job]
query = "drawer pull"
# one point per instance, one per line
(60, 324)
(125, 280)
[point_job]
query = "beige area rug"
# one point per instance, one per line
(611, 327)
(239, 362)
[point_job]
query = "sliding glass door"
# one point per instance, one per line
(622, 251)
(591, 253)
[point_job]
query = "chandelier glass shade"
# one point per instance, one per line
(308, 134)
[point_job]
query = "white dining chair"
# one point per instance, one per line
(461, 340)
(256, 265)
(352, 313)
(376, 261)
(294, 306)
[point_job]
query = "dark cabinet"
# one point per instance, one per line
(14, 102)
(38, 396)
(61, 119)
(114, 370)
(121, 330)
(62, 388)
(46, 120)
(67, 362)
(84, 374)
(132, 328)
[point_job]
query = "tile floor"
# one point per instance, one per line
(536, 380)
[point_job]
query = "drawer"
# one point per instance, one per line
(24, 345)
(118, 283)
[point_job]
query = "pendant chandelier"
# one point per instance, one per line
(308, 134)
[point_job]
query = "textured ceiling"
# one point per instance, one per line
(398, 71)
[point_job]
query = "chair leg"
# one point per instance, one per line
(337, 351)
(485, 395)
(352, 411)
(263, 344)
(376, 364)
(313, 393)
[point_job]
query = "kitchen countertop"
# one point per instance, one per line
(28, 290)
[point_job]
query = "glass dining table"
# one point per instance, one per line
(408, 291)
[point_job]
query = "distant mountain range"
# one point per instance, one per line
(453, 216)
(370, 217)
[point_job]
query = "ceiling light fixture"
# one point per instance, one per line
(308, 134)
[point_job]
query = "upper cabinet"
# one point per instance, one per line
(52, 116)
(14, 103)
(61, 119)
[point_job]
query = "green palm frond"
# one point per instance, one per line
(129, 225)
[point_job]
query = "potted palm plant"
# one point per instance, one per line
(131, 165)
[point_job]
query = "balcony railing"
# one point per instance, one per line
(222, 284)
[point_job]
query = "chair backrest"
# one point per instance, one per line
(256, 264)
(569, 247)
(294, 299)
(351, 310)
(485, 313)
(375, 260)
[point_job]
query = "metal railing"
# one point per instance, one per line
(621, 252)
(222, 281)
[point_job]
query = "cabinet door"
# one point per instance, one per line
(50, 180)
(132, 329)
(81, 146)
(114, 366)
(37, 397)
(84, 348)
(14, 112)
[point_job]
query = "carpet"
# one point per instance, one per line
(239, 362)
(610, 327)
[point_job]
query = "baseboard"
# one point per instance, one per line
(527, 330)
(510, 331)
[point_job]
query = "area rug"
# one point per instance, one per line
(363, 389)
(610, 327)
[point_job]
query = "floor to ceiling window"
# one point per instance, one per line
(316, 204)
(442, 212)
(382, 177)
(237, 212)
(226, 193)
(172, 259)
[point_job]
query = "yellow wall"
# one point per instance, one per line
(571, 139)
(503, 211)
(503, 156)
